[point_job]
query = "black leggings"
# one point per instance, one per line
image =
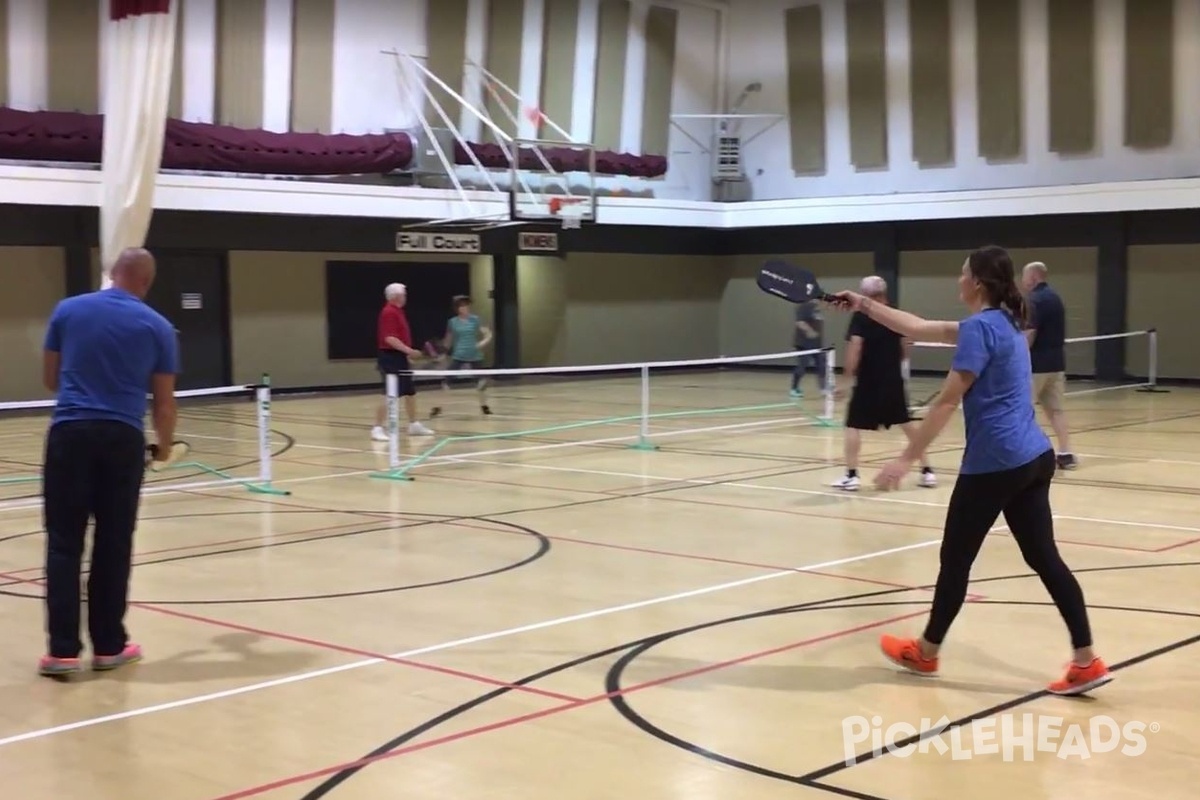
(1023, 496)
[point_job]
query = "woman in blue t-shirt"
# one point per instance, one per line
(1007, 463)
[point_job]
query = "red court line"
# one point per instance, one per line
(754, 564)
(1177, 545)
(287, 637)
(867, 520)
(580, 703)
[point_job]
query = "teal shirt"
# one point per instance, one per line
(464, 338)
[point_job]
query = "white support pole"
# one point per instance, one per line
(263, 397)
(262, 400)
(1153, 358)
(830, 382)
(643, 442)
(1151, 385)
(494, 81)
(393, 420)
(406, 88)
(645, 404)
(458, 97)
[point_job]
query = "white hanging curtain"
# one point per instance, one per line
(140, 54)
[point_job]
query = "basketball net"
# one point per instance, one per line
(568, 210)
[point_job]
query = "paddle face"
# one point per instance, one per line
(159, 458)
(792, 283)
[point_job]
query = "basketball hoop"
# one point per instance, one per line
(569, 210)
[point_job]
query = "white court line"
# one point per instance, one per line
(470, 640)
(1130, 523)
(1140, 460)
(791, 490)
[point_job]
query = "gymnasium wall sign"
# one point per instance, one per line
(539, 242)
(438, 243)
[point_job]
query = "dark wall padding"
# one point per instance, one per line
(76, 138)
(354, 297)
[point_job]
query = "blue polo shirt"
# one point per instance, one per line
(110, 345)
(1001, 425)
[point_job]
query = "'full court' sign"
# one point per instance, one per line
(438, 243)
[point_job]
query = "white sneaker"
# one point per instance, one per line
(378, 434)
(417, 429)
(928, 480)
(847, 483)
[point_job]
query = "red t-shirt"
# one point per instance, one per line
(393, 322)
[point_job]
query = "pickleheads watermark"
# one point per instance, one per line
(1010, 736)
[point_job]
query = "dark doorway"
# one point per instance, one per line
(191, 290)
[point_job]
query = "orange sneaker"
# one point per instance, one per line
(1081, 680)
(906, 653)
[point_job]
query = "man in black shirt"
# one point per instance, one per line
(1047, 333)
(809, 323)
(874, 361)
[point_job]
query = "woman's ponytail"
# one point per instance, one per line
(993, 268)
(1015, 303)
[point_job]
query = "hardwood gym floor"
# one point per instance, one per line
(529, 620)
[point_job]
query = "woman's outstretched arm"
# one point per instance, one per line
(916, 328)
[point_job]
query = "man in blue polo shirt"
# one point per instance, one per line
(103, 351)
(1047, 333)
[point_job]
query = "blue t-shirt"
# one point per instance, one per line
(464, 335)
(110, 345)
(1001, 425)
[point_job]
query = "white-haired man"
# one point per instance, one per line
(874, 363)
(1047, 335)
(395, 348)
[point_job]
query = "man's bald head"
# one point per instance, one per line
(134, 271)
(873, 287)
(1035, 272)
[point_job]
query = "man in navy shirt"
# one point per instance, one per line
(103, 351)
(1047, 333)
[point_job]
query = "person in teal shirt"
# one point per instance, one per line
(465, 338)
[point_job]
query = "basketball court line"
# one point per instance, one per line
(455, 643)
(812, 492)
(570, 706)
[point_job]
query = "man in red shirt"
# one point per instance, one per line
(395, 348)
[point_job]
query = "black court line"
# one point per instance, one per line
(810, 779)
(542, 546)
(288, 442)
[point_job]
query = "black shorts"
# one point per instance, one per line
(393, 362)
(872, 408)
(458, 365)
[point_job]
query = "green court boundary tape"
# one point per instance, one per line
(644, 443)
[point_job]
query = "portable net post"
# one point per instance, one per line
(262, 484)
(262, 402)
(573, 404)
(826, 420)
(643, 442)
(1152, 386)
(396, 471)
(221, 477)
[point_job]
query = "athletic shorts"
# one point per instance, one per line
(1049, 389)
(871, 409)
(393, 362)
(456, 364)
